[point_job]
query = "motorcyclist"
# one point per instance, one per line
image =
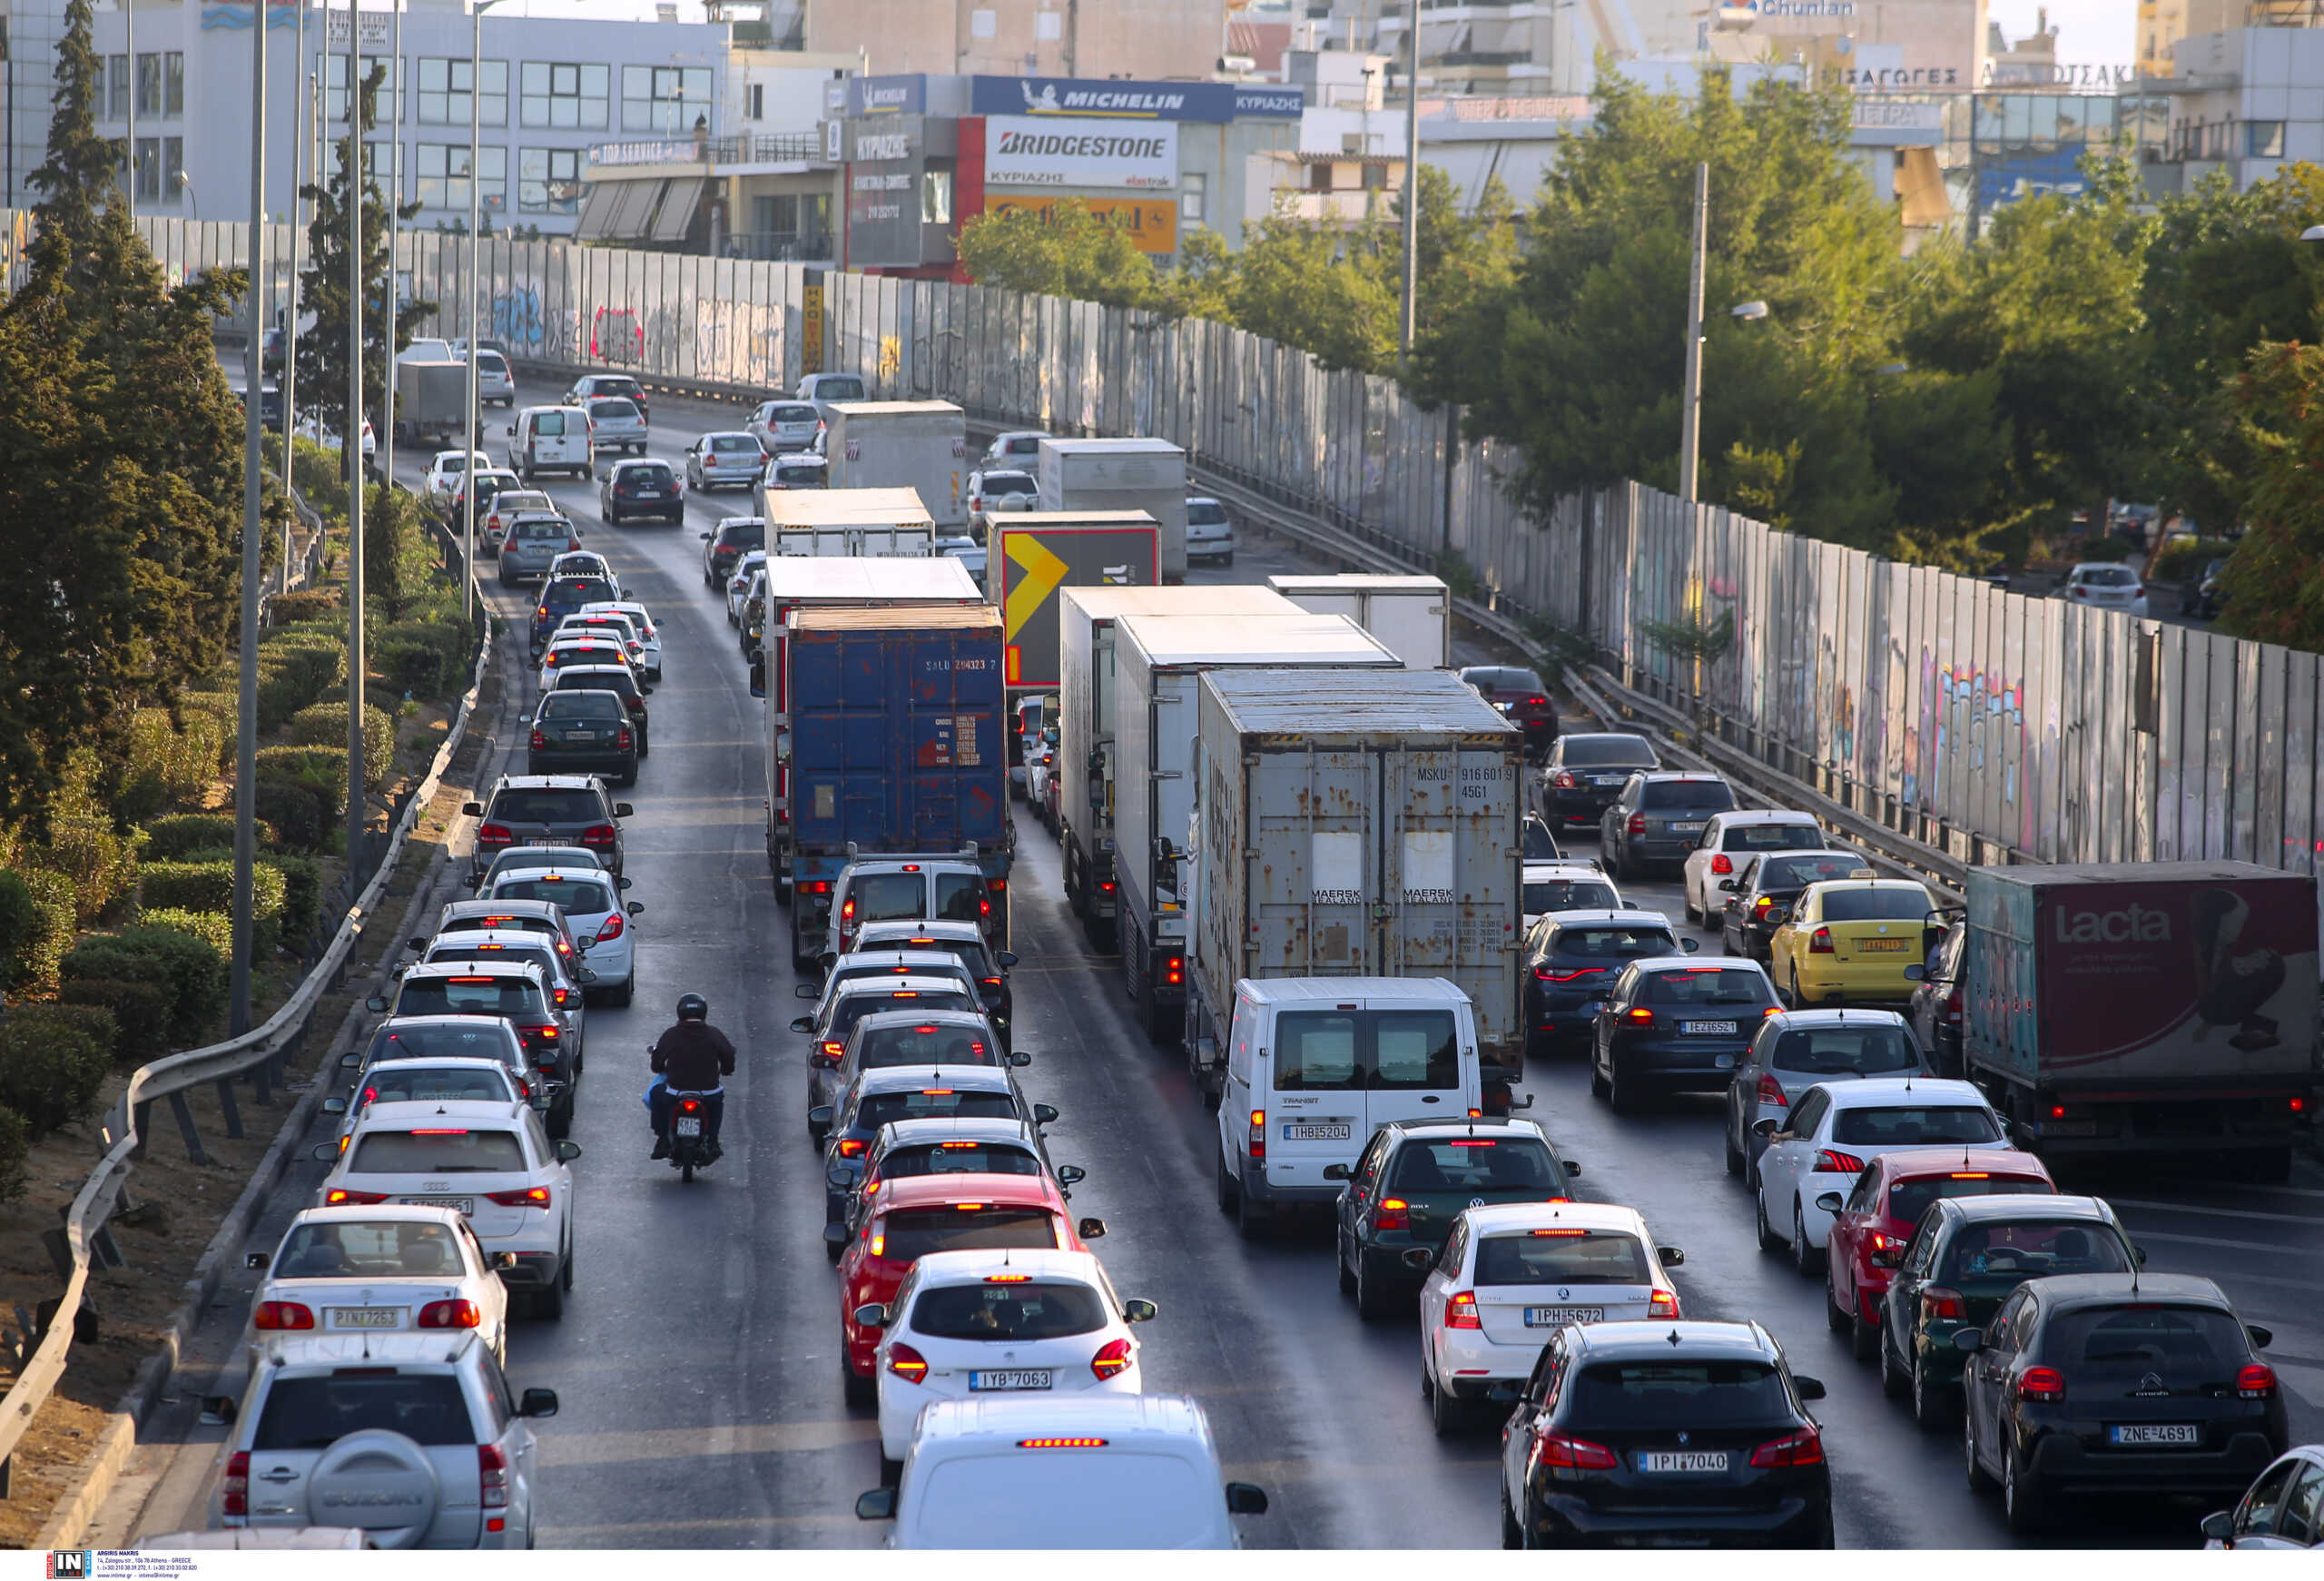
(691, 1057)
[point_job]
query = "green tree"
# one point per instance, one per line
(2274, 582)
(1068, 250)
(1328, 292)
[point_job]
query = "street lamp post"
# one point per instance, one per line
(1412, 174)
(352, 442)
(395, 226)
(1690, 412)
(185, 183)
(299, 100)
(129, 43)
(253, 430)
(476, 178)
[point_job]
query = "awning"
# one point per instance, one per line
(636, 205)
(676, 216)
(605, 196)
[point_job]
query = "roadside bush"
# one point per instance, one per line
(20, 923)
(325, 724)
(295, 669)
(312, 604)
(169, 765)
(167, 949)
(101, 865)
(294, 812)
(175, 838)
(311, 775)
(427, 658)
(140, 1014)
(51, 1066)
(208, 886)
(36, 959)
(15, 1142)
(302, 892)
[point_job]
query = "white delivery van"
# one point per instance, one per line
(1314, 1065)
(551, 439)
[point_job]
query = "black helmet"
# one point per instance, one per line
(693, 1007)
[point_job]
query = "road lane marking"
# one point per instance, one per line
(2311, 1220)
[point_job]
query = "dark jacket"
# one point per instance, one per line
(692, 1056)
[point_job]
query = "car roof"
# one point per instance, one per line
(910, 1078)
(1137, 1422)
(530, 940)
(407, 1114)
(553, 406)
(1865, 1017)
(1563, 867)
(460, 910)
(1869, 883)
(516, 857)
(1808, 851)
(2091, 1290)
(925, 929)
(1295, 990)
(1667, 1338)
(898, 863)
(470, 969)
(1897, 1091)
(968, 1268)
(943, 961)
(1496, 1216)
(397, 1023)
(1004, 472)
(1917, 1162)
(2048, 1204)
(1762, 815)
(433, 1062)
(591, 669)
(400, 1212)
(905, 984)
(1004, 1190)
(1659, 963)
(1681, 776)
(898, 1133)
(1461, 1126)
(546, 782)
(1606, 735)
(880, 1020)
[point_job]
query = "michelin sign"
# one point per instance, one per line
(1121, 101)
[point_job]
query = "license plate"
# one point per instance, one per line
(1017, 1377)
(649, 494)
(582, 736)
(1708, 1028)
(363, 1316)
(531, 843)
(1682, 1461)
(1695, 827)
(688, 1126)
(465, 1204)
(1558, 1317)
(1317, 1134)
(1605, 779)
(2141, 1433)
(1879, 946)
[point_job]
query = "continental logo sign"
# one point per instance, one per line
(1152, 223)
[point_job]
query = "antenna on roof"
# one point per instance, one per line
(1674, 1338)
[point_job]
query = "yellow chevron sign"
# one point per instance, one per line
(1043, 573)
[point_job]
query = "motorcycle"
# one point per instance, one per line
(689, 1133)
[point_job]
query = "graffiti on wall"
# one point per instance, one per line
(617, 336)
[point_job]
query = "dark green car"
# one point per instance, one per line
(1414, 1178)
(1965, 1256)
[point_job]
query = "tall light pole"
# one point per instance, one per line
(357, 822)
(129, 43)
(185, 183)
(395, 201)
(1412, 174)
(300, 95)
(1690, 414)
(475, 208)
(253, 431)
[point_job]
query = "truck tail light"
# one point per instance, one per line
(1174, 972)
(1258, 1138)
(1819, 943)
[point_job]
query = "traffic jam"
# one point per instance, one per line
(1389, 939)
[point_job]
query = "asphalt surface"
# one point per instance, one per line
(698, 1360)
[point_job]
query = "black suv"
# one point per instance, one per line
(1572, 959)
(1675, 1025)
(1759, 899)
(639, 490)
(721, 549)
(536, 809)
(1658, 819)
(1584, 774)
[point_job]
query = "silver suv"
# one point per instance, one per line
(532, 545)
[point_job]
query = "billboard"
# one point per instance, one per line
(1023, 151)
(1125, 100)
(1152, 223)
(1117, 549)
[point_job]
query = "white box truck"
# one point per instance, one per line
(1149, 475)
(827, 522)
(903, 444)
(1159, 661)
(1412, 615)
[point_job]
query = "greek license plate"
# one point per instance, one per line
(1018, 1377)
(1682, 1461)
(1694, 828)
(2144, 1433)
(544, 843)
(1558, 1317)
(649, 494)
(465, 1204)
(688, 1125)
(1608, 779)
(1317, 1134)
(1879, 946)
(363, 1316)
(1708, 1028)
(582, 736)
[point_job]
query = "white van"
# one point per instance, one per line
(551, 439)
(1314, 1065)
(1086, 1471)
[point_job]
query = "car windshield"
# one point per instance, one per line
(380, 1249)
(491, 361)
(1797, 872)
(400, 1082)
(1914, 1125)
(1504, 679)
(856, 1006)
(928, 1043)
(546, 804)
(880, 897)
(1636, 1396)
(441, 1150)
(1703, 795)
(575, 899)
(2129, 1341)
(1017, 484)
(2008, 1251)
(1008, 1311)
(840, 387)
(468, 996)
(1708, 986)
(463, 1040)
(798, 472)
(959, 1158)
(1616, 941)
(564, 705)
(879, 1109)
(1548, 894)
(314, 1413)
(1325, 1051)
(908, 1234)
(1867, 905)
(2109, 576)
(612, 407)
(1558, 1256)
(970, 953)
(1769, 837)
(1909, 1199)
(1205, 513)
(503, 921)
(1606, 752)
(1834, 1050)
(1474, 1163)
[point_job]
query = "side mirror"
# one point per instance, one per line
(1007, 959)
(1044, 1115)
(805, 1026)
(835, 1235)
(1690, 945)
(1136, 1311)
(1020, 1061)
(376, 1004)
(703, 536)
(636, 908)
(540, 1105)
(472, 881)
(1671, 1256)
(2219, 1526)
(1727, 885)
(1968, 1341)
(1071, 1174)
(1765, 1127)
(417, 943)
(324, 1152)
(624, 810)
(2260, 1337)
(621, 881)
(758, 675)
(805, 991)
(218, 1410)
(472, 809)
(876, 1504)
(1090, 1229)
(1829, 1201)
(840, 1175)
(350, 1062)
(871, 1315)
(503, 1260)
(566, 1152)
(334, 1106)
(820, 1115)
(583, 975)
(1916, 973)
(536, 1403)
(257, 1259)
(1930, 939)
(1810, 1388)
(819, 1062)
(1570, 1166)
(1419, 1259)
(1887, 1257)
(1335, 1171)
(1244, 1498)
(510, 431)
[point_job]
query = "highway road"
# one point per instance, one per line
(698, 1360)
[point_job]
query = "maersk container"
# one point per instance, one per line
(1086, 617)
(2161, 1007)
(897, 744)
(902, 444)
(1412, 615)
(1149, 475)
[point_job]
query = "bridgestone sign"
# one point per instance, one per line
(1050, 151)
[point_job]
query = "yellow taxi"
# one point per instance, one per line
(1850, 940)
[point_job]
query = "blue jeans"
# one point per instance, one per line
(714, 1101)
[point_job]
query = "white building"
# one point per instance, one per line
(2246, 101)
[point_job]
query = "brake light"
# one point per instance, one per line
(1111, 1360)
(1551, 975)
(491, 1475)
(235, 1491)
(1535, 702)
(522, 1197)
(1258, 1141)
(621, 739)
(1574, 1454)
(339, 1197)
(1461, 1311)
(282, 1315)
(2298, 1105)
(820, 886)
(1056, 1443)
(1106, 887)
(494, 834)
(1819, 943)
(611, 928)
(833, 1049)
(1393, 1214)
(2256, 1383)
(451, 1315)
(1763, 904)
(849, 1147)
(598, 834)
(847, 911)
(1804, 1448)
(1174, 974)
(539, 741)
(1938, 1303)
(542, 613)
(2077, 592)
(1952, 1012)
(1832, 1161)
(1640, 1016)
(1771, 1092)
(2042, 1383)
(560, 993)
(907, 1363)
(1663, 1304)
(1638, 823)
(994, 886)
(545, 1032)
(1720, 863)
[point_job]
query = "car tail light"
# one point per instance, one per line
(1258, 1140)
(234, 1493)
(689, 1105)
(2042, 1383)
(522, 1197)
(1564, 780)
(835, 1050)
(1536, 702)
(611, 928)
(1111, 1359)
(1575, 1454)
(2077, 592)
(2256, 1383)
(1830, 1161)
(1393, 1214)
(1720, 863)
(2298, 1105)
(1664, 1304)
(1174, 972)
(339, 1197)
(545, 1032)
(494, 834)
(1461, 1310)
(1107, 887)
(598, 834)
(451, 1315)
(1804, 1448)
(1551, 975)
(1938, 1303)
(1638, 823)
(907, 1363)
(1640, 1016)
(1819, 943)
(282, 1315)
(1771, 1092)
(542, 613)
(1952, 1012)
(492, 1477)
(849, 1147)
(539, 741)
(558, 993)
(1763, 905)
(621, 739)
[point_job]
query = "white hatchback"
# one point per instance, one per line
(2105, 586)
(1562, 887)
(1012, 1323)
(444, 475)
(1211, 531)
(603, 926)
(380, 1270)
(1727, 844)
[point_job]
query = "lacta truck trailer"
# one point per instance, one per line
(1086, 617)
(836, 522)
(1036, 554)
(2144, 1007)
(902, 444)
(1159, 664)
(1355, 824)
(1149, 475)
(1412, 615)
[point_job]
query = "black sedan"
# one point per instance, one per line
(1572, 959)
(2117, 1383)
(641, 490)
(618, 679)
(726, 545)
(1759, 898)
(1657, 818)
(1584, 774)
(1675, 1025)
(1661, 1433)
(582, 733)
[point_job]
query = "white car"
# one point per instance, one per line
(1210, 532)
(1728, 841)
(385, 1268)
(507, 505)
(997, 490)
(566, 980)
(569, 648)
(583, 563)
(603, 926)
(494, 1163)
(1560, 886)
(1511, 1273)
(329, 438)
(970, 1323)
(649, 636)
(1019, 447)
(2103, 586)
(784, 425)
(1834, 1129)
(738, 585)
(421, 1079)
(494, 382)
(732, 460)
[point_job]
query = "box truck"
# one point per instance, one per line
(431, 402)
(1037, 553)
(1149, 475)
(902, 444)
(847, 521)
(1412, 615)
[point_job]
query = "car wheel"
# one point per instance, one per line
(1735, 1159)
(564, 1276)
(1980, 1480)
(1806, 1256)
(1339, 1257)
(1229, 1192)
(1694, 918)
(1768, 1239)
(1512, 1535)
(1893, 1381)
(548, 1301)
(1252, 1221)
(1834, 1319)
(626, 992)
(860, 1392)
(1932, 1405)
(1864, 1339)
(1447, 1415)
(1370, 1304)
(2019, 1502)
(1598, 1085)
(1620, 1096)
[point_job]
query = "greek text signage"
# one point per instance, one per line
(1123, 101)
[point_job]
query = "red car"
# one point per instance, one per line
(1887, 1201)
(924, 1213)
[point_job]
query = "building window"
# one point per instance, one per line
(548, 180)
(444, 91)
(1375, 178)
(116, 96)
(664, 98)
(2263, 139)
(383, 108)
(559, 95)
(375, 160)
(1319, 178)
(441, 171)
(173, 83)
(758, 101)
(149, 84)
(936, 197)
(1191, 196)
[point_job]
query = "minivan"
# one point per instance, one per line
(1314, 1065)
(551, 439)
